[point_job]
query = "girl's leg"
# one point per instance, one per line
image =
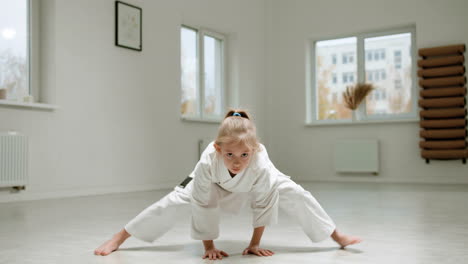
(345, 240)
(302, 206)
(152, 222)
(112, 244)
(161, 216)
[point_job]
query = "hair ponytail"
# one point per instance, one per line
(237, 127)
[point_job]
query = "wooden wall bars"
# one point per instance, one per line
(443, 102)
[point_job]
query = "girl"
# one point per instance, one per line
(232, 170)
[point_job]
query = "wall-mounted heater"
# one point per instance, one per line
(13, 160)
(357, 156)
(202, 144)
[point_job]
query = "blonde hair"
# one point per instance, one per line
(238, 128)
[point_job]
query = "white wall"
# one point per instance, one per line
(118, 126)
(306, 153)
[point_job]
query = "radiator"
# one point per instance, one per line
(13, 160)
(202, 144)
(357, 156)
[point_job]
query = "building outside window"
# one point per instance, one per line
(378, 69)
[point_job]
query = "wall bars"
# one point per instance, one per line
(443, 102)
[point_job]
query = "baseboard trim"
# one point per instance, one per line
(7, 195)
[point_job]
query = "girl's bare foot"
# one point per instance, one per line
(345, 240)
(113, 244)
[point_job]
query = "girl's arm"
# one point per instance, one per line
(254, 248)
(257, 235)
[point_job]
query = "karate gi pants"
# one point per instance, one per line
(298, 203)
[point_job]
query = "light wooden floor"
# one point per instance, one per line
(400, 223)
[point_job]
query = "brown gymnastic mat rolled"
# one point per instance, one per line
(444, 144)
(438, 62)
(444, 154)
(445, 123)
(447, 81)
(443, 92)
(443, 50)
(443, 133)
(442, 71)
(443, 113)
(443, 102)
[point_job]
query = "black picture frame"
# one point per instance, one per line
(128, 26)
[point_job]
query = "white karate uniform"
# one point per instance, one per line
(213, 189)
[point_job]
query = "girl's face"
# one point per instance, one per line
(236, 156)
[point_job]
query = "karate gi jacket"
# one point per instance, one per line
(213, 183)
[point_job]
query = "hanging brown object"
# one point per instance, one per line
(443, 51)
(444, 154)
(447, 81)
(449, 102)
(443, 113)
(445, 144)
(439, 62)
(443, 100)
(445, 123)
(443, 133)
(443, 92)
(442, 71)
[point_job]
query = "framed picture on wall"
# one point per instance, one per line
(128, 26)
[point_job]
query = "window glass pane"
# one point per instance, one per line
(213, 75)
(395, 78)
(189, 71)
(14, 65)
(327, 107)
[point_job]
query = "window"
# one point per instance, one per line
(375, 55)
(397, 57)
(397, 84)
(376, 67)
(14, 49)
(202, 74)
(326, 108)
(382, 54)
(334, 78)
(348, 57)
(348, 77)
(377, 95)
(334, 59)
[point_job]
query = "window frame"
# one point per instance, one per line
(30, 14)
(36, 25)
(201, 116)
(33, 49)
(311, 71)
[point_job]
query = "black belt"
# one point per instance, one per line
(185, 182)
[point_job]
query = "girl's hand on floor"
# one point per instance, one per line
(214, 254)
(254, 249)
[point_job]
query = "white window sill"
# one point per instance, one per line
(202, 120)
(362, 122)
(8, 103)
